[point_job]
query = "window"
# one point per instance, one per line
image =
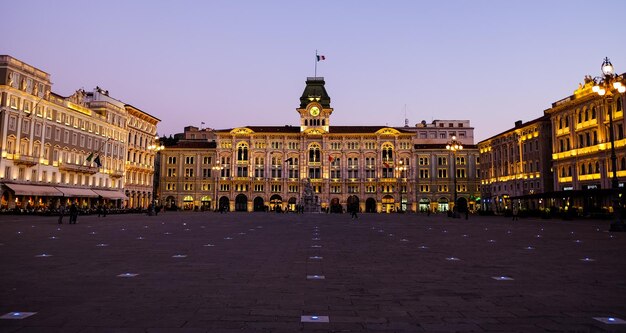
(242, 171)
(424, 173)
(314, 173)
(259, 169)
(353, 167)
(460, 173)
(242, 152)
(189, 160)
(206, 173)
(314, 154)
(441, 160)
(206, 160)
(424, 188)
(388, 172)
(171, 160)
(387, 152)
(442, 173)
(171, 172)
(189, 172)
(277, 169)
(292, 166)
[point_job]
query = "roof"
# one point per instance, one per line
(332, 129)
(545, 117)
(439, 146)
(315, 88)
(193, 144)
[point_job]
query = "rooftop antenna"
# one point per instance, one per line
(406, 120)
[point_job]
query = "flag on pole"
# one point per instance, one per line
(320, 57)
(90, 157)
(386, 165)
(330, 159)
(290, 160)
(97, 161)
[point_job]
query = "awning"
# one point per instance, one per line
(21, 189)
(73, 192)
(113, 195)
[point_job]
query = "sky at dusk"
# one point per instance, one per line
(236, 63)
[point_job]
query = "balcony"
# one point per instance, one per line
(116, 174)
(78, 168)
(24, 160)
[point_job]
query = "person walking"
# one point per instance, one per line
(353, 213)
(73, 213)
(61, 214)
(515, 212)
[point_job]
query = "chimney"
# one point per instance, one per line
(518, 124)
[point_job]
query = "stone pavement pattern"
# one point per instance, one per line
(238, 272)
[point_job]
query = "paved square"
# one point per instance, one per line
(239, 272)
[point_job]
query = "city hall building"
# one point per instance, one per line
(369, 168)
(87, 148)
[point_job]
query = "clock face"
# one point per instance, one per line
(314, 111)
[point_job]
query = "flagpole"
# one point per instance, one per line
(315, 64)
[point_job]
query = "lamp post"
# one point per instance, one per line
(606, 86)
(157, 147)
(454, 145)
(400, 168)
(218, 169)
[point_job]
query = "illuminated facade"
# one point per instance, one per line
(370, 168)
(187, 179)
(581, 148)
(140, 158)
(51, 144)
(516, 163)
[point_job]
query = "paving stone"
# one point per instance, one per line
(255, 283)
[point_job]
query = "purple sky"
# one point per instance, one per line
(235, 63)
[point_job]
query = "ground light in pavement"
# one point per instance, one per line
(314, 319)
(17, 315)
(611, 320)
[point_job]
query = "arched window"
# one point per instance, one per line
(387, 152)
(242, 152)
(566, 121)
(580, 117)
(593, 112)
(586, 115)
(560, 123)
(582, 169)
(622, 164)
(618, 105)
(589, 168)
(563, 172)
(569, 171)
(597, 167)
(306, 122)
(314, 153)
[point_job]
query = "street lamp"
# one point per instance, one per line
(400, 168)
(218, 169)
(454, 145)
(156, 147)
(606, 86)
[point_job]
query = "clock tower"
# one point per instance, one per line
(315, 107)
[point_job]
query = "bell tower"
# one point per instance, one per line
(314, 107)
